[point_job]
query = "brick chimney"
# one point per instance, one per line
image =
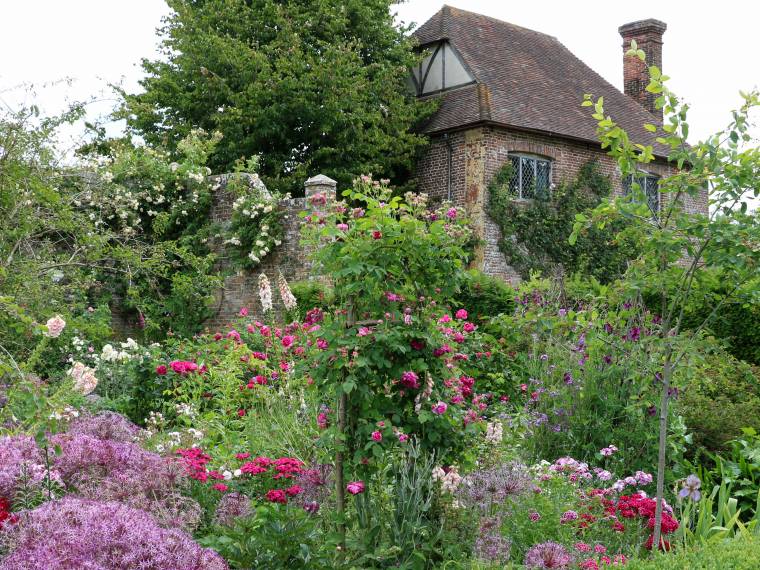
(648, 36)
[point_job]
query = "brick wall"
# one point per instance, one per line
(477, 155)
(240, 288)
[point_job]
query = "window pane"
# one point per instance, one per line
(528, 177)
(432, 65)
(543, 179)
(627, 185)
(456, 74)
(653, 195)
(514, 182)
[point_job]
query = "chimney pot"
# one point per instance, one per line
(648, 35)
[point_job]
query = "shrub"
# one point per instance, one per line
(80, 533)
(738, 554)
(723, 398)
(311, 295)
(484, 296)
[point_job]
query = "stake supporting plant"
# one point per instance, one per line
(340, 487)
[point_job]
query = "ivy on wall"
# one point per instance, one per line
(535, 232)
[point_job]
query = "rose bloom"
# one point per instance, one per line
(161, 369)
(55, 326)
(461, 314)
(288, 340)
(440, 408)
(377, 436)
(355, 487)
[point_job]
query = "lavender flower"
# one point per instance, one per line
(548, 555)
(79, 533)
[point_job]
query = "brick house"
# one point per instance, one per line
(512, 94)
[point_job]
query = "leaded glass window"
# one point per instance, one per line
(531, 177)
(649, 184)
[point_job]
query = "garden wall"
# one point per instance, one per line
(291, 258)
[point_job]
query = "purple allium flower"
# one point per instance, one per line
(316, 484)
(490, 545)
(105, 425)
(19, 456)
(232, 506)
(107, 470)
(488, 487)
(548, 555)
(79, 533)
(691, 488)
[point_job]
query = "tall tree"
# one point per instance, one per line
(310, 85)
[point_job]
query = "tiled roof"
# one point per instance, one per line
(525, 79)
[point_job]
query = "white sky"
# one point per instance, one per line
(710, 48)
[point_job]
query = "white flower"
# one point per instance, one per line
(237, 473)
(288, 299)
(265, 293)
(227, 475)
(55, 326)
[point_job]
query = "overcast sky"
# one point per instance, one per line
(710, 48)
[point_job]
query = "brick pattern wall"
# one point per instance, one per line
(241, 288)
(477, 154)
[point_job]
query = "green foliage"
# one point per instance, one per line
(275, 537)
(535, 232)
(484, 296)
(736, 554)
(312, 294)
(723, 398)
(578, 380)
(311, 86)
(391, 263)
(737, 322)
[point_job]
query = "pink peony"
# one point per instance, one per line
(244, 312)
(377, 436)
(461, 314)
(440, 408)
(161, 369)
(355, 487)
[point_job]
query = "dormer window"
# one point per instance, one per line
(441, 69)
(649, 184)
